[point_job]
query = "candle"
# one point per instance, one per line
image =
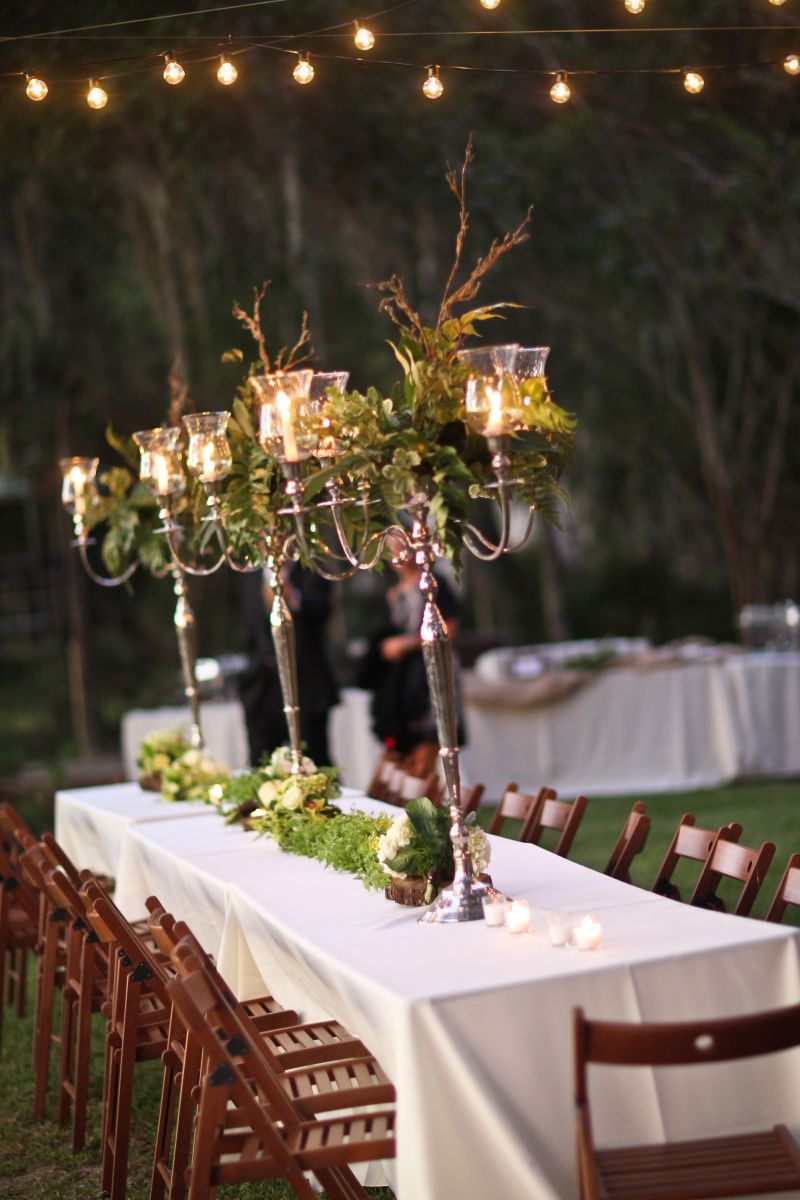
(494, 910)
(518, 916)
(559, 928)
(161, 473)
(208, 468)
(284, 406)
(587, 933)
(78, 483)
(495, 423)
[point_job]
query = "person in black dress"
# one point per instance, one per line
(309, 600)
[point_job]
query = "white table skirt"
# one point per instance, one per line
(473, 1024)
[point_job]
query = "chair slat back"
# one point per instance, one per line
(380, 776)
(732, 861)
(691, 842)
(470, 798)
(788, 891)
(515, 805)
(630, 842)
(412, 788)
(563, 816)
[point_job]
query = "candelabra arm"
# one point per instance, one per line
(215, 516)
(478, 544)
(82, 541)
(185, 631)
(170, 529)
(283, 639)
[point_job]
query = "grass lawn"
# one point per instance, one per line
(35, 1160)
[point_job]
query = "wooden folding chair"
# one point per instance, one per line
(381, 775)
(737, 1165)
(277, 1133)
(630, 842)
(689, 841)
(470, 798)
(562, 816)
(19, 933)
(515, 805)
(291, 1045)
(788, 891)
(731, 861)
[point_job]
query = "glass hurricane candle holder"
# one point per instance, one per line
(77, 483)
(492, 398)
(160, 467)
(208, 454)
(531, 362)
(322, 382)
(287, 429)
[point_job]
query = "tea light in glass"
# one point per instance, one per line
(322, 384)
(587, 933)
(208, 454)
(518, 916)
(77, 483)
(494, 910)
(160, 467)
(287, 429)
(491, 396)
(559, 928)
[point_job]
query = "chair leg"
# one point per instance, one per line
(82, 1047)
(182, 1150)
(210, 1118)
(43, 1028)
(22, 979)
(67, 1052)
(123, 1096)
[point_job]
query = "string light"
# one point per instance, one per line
(490, 4)
(634, 6)
(560, 92)
(303, 72)
(96, 97)
(173, 71)
(777, 3)
(364, 38)
(693, 82)
(226, 71)
(433, 86)
(35, 88)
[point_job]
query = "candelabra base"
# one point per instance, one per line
(461, 901)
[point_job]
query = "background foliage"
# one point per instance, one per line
(662, 269)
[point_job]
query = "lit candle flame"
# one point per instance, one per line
(494, 425)
(208, 465)
(161, 473)
(284, 407)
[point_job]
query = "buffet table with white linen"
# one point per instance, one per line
(473, 1023)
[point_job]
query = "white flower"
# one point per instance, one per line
(191, 758)
(267, 792)
(281, 761)
(398, 835)
(479, 849)
(215, 793)
(292, 797)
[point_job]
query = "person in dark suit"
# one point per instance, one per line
(309, 600)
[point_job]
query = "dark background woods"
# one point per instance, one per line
(662, 268)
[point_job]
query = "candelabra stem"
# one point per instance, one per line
(462, 900)
(185, 630)
(283, 639)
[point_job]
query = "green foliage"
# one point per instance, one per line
(347, 844)
(161, 748)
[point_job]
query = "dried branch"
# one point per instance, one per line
(457, 182)
(178, 391)
(471, 285)
(301, 351)
(252, 322)
(397, 307)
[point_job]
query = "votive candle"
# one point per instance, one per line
(518, 916)
(494, 910)
(559, 929)
(587, 933)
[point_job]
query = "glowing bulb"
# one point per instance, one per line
(634, 6)
(226, 71)
(96, 97)
(560, 92)
(490, 4)
(791, 64)
(433, 86)
(777, 3)
(693, 82)
(36, 89)
(173, 71)
(303, 72)
(364, 38)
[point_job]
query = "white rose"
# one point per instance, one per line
(292, 797)
(267, 792)
(191, 758)
(281, 761)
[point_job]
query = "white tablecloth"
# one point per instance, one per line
(473, 1024)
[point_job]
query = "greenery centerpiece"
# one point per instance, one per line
(242, 794)
(157, 752)
(417, 854)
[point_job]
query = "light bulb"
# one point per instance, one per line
(226, 71)
(560, 92)
(36, 89)
(96, 97)
(173, 71)
(791, 64)
(634, 6)
(364, 38)
(490, 4)
(433, 86)
(693, 82)
(777, 3)
(303, 72)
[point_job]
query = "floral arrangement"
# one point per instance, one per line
(196, 775)
(284, 803)
(157, 752)
(417, 845)
(241, 794)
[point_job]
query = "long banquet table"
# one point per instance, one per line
(473, 1024)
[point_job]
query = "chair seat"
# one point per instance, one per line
(746, 1164)
(343, 1084)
